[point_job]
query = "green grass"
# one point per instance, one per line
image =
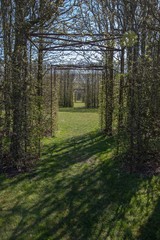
(79, 104)
(78, 192)
(77, 121)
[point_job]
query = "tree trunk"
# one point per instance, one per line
(19, 79)
(121, 93)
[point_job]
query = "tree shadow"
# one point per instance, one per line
(151, 230)
(77, 192)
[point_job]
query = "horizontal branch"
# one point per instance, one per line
(80, 44)
(73, 34)
(80, 41)
(72, 68)
(78, 67)
(81, 50)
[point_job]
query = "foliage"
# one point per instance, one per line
(129, 39)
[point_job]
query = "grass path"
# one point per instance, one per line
(78, 192)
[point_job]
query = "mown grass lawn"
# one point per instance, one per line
(78, 191)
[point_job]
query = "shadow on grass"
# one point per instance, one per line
(151, 230)
(76, 193)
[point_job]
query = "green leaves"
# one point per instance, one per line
(129, 39)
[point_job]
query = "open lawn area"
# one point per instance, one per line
(78, 191)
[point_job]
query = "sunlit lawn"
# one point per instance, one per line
(78, 191)
(77, 121)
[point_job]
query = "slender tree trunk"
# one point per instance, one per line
(109, 94)
(1, 128)
(19, 78)
(7, 26)
(131, 107)
(121, 94)
(40, 95)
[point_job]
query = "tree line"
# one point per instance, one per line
(129, 88)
